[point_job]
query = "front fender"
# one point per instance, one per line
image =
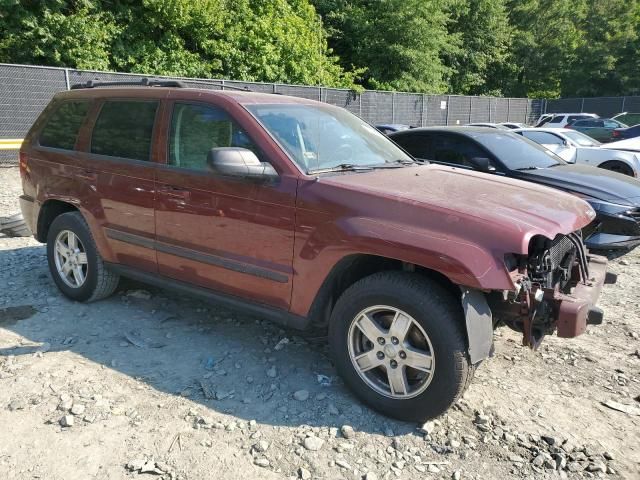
(462, 261)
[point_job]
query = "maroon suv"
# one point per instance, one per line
(301, 212)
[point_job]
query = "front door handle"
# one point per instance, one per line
(175, 192)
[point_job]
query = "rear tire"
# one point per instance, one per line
(14, 226)
(71, 249)
(435, 329)
(617, 166)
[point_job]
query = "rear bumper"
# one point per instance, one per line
(577, 309)
(28, 206)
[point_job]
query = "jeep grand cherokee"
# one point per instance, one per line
(303, 213)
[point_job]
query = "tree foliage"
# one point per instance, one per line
(257, 40)
(534, 48)
(400, 44)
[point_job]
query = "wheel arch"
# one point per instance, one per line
(355, 267)
(49, 210)
(624, 166)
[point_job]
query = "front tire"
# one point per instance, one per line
(398, 342)
(74, 262)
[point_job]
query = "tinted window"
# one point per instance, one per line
(557, 119)
(544, 138)
(517, 152)
(196, 129)
(587, 123)
(124, 129)
(418, 145)
(456, 150)
(573, 118)
(61, 129)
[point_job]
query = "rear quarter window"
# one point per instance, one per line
(124, 129)
(62, 127)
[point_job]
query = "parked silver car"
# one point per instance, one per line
(576, 147)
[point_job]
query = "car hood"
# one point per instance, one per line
(589, 181)
(522, 208)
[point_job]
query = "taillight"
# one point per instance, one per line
(24, 168)
(615, 133)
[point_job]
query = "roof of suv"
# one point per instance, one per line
(146, 92)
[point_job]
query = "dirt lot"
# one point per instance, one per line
(160, 384)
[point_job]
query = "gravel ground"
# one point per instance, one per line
(152, 383)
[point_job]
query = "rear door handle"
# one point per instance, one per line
(87, 175)
(175, 192)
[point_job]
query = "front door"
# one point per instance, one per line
(232, 235)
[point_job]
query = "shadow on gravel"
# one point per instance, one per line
(228, 362)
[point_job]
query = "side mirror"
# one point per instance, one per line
(483, 164)
(239, 162)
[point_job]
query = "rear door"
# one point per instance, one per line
(233, 235)
(117, 160)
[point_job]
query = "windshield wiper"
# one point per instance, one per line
(343, 167)
(528, 168)
(395, 164)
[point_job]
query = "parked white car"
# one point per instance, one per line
(629, 145)
(561, 120)
(576, 147)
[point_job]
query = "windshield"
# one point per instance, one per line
(581, 139)
(517, 152)
(319, 137)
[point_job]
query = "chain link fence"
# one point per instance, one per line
(603, 106)
(25, 91)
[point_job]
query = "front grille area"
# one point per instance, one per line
(552, 262)
(560, 248)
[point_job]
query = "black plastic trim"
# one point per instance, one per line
(197, 256)
(276, 315)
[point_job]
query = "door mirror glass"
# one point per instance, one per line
(483, 164)
(239, 162)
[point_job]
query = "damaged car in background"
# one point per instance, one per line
(614, 196)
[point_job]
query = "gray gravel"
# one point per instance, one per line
(152, 383)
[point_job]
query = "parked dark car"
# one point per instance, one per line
(624, 133)
(388, 128)
(303, 213)
(488, 125)
(599, 128)
(615, 197)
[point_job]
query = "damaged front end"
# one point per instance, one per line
(556, 287)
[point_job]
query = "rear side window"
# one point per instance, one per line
(124, 129)
(544, 138)
(557, 119)
(61, 128)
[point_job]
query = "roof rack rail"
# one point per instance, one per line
(144, 82)
(222, 85)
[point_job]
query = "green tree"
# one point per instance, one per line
(256, 40)
(544, 46)
(609, 48)
(485, 36)
(400, 43)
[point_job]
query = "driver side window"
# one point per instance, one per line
(456, 150)
(196, 129)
